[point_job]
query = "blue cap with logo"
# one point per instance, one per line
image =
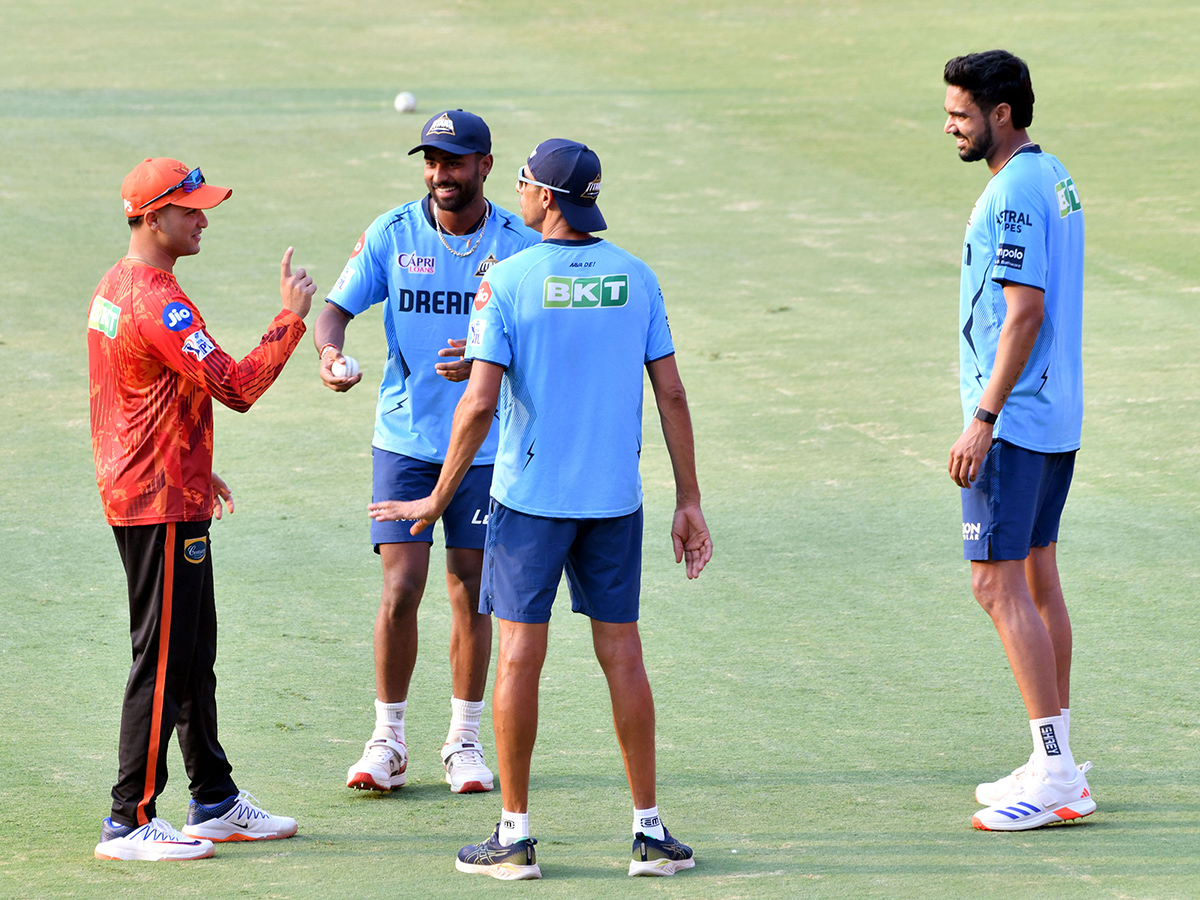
(457, 132)
(573, 171)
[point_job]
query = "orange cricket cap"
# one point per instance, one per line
(155, 183)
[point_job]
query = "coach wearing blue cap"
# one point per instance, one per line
(566, 328)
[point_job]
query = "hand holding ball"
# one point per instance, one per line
(405, 102)
(346, 367)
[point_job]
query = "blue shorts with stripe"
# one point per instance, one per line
(1015, 503)
(399, 477)
(525, 556)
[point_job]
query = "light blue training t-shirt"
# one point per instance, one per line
(1026, 228)
(428, 291)
(574, 324)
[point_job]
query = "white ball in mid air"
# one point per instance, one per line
(347, 368)
(405, 102)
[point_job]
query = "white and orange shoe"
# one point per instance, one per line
(239, 818)
(466, 772)
(1038, 800)
(382, 765)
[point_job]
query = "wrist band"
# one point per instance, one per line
(987, 418)
(336, 349)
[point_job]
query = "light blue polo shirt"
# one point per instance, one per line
(1026, 228)
(427, 291)
(573, 323)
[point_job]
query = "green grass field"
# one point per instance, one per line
(828, 691)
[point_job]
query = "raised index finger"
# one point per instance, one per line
(285, 267)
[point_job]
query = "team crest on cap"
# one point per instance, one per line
(485, 265)
(443, 124)
(592, 191)
(128, 206)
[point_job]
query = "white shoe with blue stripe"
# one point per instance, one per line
(1038, 800)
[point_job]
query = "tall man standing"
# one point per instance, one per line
(563, 331)
(154, 371)
(1020, 352)
(426, 260)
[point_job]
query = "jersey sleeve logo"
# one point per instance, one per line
(475, 332)
(343, 279)
(199, 345)
(1010, 256)
(104, 316)
(482, 296)
(1068, 198)
(176, 316)
(359, 246)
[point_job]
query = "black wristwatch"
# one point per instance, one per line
(987, 418)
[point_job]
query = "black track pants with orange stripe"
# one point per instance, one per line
(171, 685)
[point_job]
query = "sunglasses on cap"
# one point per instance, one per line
(522, 179)
(191, 181)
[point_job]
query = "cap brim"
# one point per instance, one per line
(204, 197)
(456, 149)
(581, 218)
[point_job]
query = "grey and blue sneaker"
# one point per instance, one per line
(654, 857)
(515, 862)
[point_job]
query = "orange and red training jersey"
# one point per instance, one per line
(153, 371)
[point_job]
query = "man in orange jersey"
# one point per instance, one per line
(154, 371)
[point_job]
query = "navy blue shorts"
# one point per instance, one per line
(1015, 503)
(525, 556)
(399, 477)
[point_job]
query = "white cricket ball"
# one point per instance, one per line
(347, 368)
(405, 102)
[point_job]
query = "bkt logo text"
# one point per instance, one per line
(560, 292)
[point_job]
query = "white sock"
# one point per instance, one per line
(647, 822)
(1050, 749)
(391, 716)
(464, 720)
(513, 827)
(1066, 714)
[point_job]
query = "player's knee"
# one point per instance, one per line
(619, 656)
(401, 595)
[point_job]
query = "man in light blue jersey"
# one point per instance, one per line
(425, 262)
(1020, 357)
(559, 336)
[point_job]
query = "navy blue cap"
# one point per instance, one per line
(457, 132)
(575, 171)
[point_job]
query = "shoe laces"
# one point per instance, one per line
(381, 753)
(165, 831)
(468, 758)
(251, 805)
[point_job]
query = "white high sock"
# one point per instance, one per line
(1066, 714)
(391, 716)
(648, 822)
(1050, 749)
(513, 827)
(464, 720)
